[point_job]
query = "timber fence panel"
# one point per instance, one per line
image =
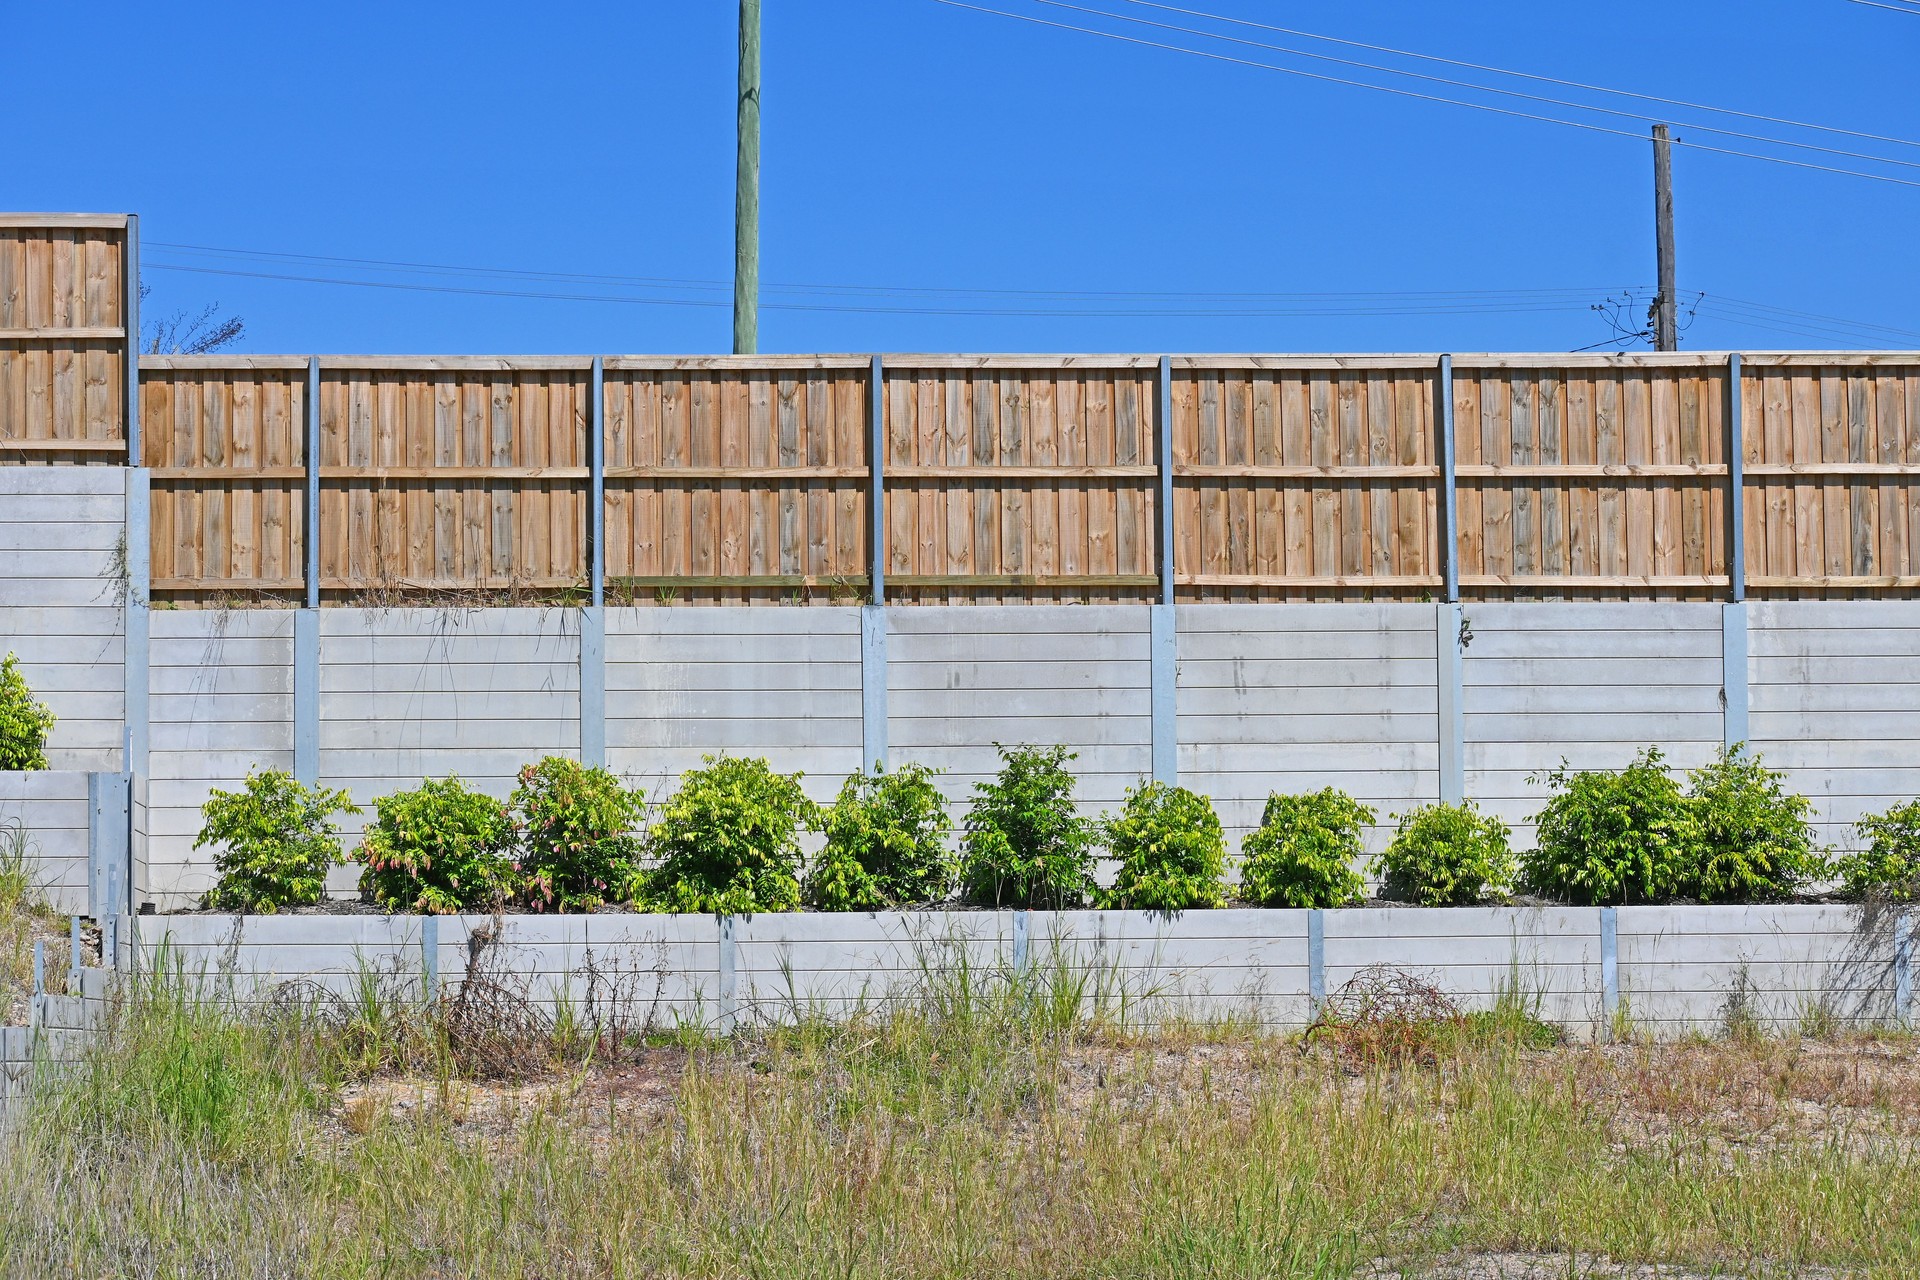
(1836, 704)
(63, 596)
(1305, 482)
(1295, 697)
(1592, 683)
(779, 683)
(63, 339)
(453, 475)
(1833, 477)
(220, 705)
(1010, 482)
(1591, 481)
(960, 679)
(226, 445)
(736, 481)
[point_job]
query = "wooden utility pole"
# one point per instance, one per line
(1666, 333)
(746, 189)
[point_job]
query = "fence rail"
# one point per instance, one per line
(966, 478)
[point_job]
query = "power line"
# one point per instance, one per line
(1386, 307)
(1425, 97)
(1894, 8)
(1524, 75)
(1466, 84)
(1568, 292)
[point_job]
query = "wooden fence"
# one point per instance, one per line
(1016, 478)
(65, 337)
(1001, 478)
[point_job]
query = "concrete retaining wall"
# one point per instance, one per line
(1678, 968)
(62, 603)
(51, 810)
(1297, 697)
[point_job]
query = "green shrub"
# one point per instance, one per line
(273, 841)
(578, 838)
(1612, 837)
(1752, 841)
(1889, 867)
(1025, 844)
(24, 722)
(1446, 855)
(1305, 852)
(439, 848)
(1171, 850)
(886, 844)
(726, 841)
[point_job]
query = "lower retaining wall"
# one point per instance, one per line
(1676, 969)
(51, 808)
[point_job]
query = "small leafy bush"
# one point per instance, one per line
(273, 841)
(24, 722)
(1171, 849)
(1612, 837)
(1305, 852)
(1889, 867)
(886, 844)
(440, 848)
(1025, 844)
(1752, 841)
(727, 841)
(1446, 855)
(579, 845)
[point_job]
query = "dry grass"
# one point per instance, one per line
(25, 919)
(988, 1127)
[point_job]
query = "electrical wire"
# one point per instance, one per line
(1563, 103)
(1426, 97)
(1524, 75)
(1892, 8)
(389, 265)
(1386, 307)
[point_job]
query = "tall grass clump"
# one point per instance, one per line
(1306, 851)
(886, 844)
(181, 1065)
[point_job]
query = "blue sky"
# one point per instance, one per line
(913, 149)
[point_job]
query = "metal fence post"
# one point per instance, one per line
(593, 618)
(1736, 486)
(873, 687)
(1610, 967)
(729, 976)
(1163, 523)
(1449, 532)
(306, 620)
(130, 316)
(1903, 969)
(74, 964)
(1022, 940)
(430, 956)
(1316, 961)
(876, 483)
